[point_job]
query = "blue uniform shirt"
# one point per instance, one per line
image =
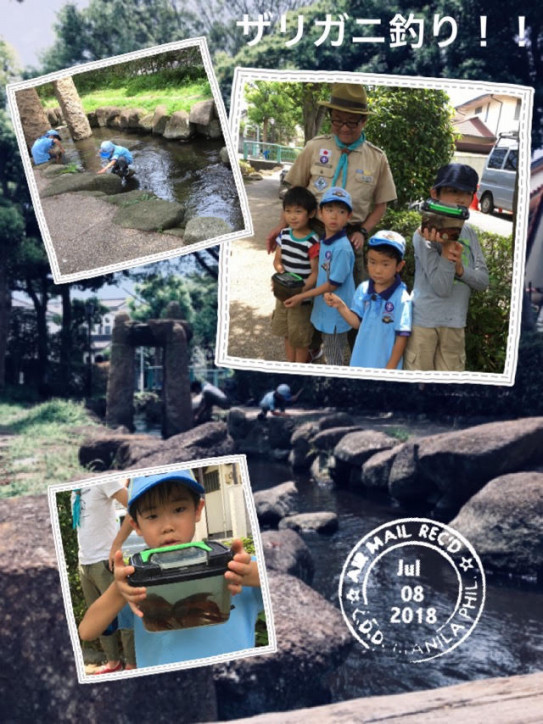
(40, 149)
(121, 152)
(336, 262)
(383, 315)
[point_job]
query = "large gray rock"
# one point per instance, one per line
(460, 463)
(178, 127)
(376, 471)
(202, 228)
(109, 183)
(312, 641)
(225, 156)
(275, 503)
(320, 469)
(152, 215)
(108, 116)
(238, 423)
(357, 447)
(160, 120)
(202, 112)
(38, 674)
(130, 118)
(406, 481)
(327, 439)
(504, 523)
(301, 453)
(146, 123)
(286, 552)
(130, 198)
(211, 130)
(208, 440)
(280, 432)
(335, 419)
(319, 522)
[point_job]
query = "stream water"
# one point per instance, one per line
(507, 640)
(190, 173)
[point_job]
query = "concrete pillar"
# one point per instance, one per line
(72, 110)
(176, 398)
(33, 118)
(120, 384)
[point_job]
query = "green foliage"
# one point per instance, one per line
(71, 551)
(261, 630)
(155, 293)
(414, 128)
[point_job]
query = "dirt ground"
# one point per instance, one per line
(250, 268)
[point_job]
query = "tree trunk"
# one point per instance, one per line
(5, 311)
(66, 337)
(72, 109)
(33, 118)
(40, 305)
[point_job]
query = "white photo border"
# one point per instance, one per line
(11, 90)
(507, 377)
(84, 678)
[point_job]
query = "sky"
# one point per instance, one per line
(29, 39)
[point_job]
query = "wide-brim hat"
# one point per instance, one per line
(349, 98)
(143, 484)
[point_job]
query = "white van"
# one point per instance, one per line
(497, 186)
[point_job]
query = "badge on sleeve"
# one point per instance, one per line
(324, 155)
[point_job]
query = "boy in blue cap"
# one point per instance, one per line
(336, 263)
(445, 274)
(47, 148)
(119, 159)
(381, 307)
(164, 510)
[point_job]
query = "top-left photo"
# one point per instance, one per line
(129, 160)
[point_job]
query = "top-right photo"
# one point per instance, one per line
(390, 227)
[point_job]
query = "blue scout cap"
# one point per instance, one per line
(52, 134)
(457, 176)
(106, 149)
(391, 238)
(335, 193)
(139, 486)
(284, 391)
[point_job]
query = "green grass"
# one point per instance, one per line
(41, 445)
(174, 98)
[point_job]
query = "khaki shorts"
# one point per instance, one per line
(293, 323)
(437, 348)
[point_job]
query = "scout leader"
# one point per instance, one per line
(344, 158)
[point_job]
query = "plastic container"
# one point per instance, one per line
(447, 219)
(286, 285)
(185, 585)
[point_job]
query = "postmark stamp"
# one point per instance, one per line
(414, 588)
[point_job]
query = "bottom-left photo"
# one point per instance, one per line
(161, 569)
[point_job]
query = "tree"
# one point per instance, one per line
(417, 142)
(155, 292)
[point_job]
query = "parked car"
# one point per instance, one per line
(497, 186)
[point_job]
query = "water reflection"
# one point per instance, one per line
(507, 640)
(190, 173)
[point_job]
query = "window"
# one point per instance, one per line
(511, 161)
(211, 481)
(497, 157)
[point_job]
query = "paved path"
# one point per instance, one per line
(250, 270)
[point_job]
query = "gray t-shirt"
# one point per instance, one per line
(440, 299)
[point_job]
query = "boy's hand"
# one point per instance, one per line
(131, 595)
(293, 301)
(332, 300)
(452, 251)
(239, 568)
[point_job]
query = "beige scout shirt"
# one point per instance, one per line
(369, 180)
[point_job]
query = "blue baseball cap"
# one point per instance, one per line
(457, 176)
(391, 238)
(106, 149)
(284, 391)
(335, 193)
(139, 486)
(52, 134)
